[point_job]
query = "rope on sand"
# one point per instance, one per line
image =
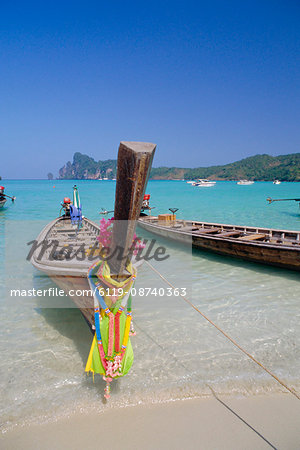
(291, 390)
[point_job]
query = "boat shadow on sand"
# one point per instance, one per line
(69, 322)
(62, 315)
(268, 270)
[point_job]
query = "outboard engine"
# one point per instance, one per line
(2, 196)
(145, 204)
(66, 206)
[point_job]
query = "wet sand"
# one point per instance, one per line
(225, 422)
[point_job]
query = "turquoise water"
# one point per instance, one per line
(227, 202)
(44, 346)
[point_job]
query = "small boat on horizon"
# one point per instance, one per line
(276, 182)
(245, 182)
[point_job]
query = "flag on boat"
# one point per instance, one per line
(76, 199)
(75, 209)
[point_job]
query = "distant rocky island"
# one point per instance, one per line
(84, 167)
(256, 168)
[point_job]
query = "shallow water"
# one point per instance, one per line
(178, 354)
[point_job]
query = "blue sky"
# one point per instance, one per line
(209, 82)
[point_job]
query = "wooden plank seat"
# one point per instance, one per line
(188, 229)
(65, 230)
(232, 233)
(253, 237)
(206, 230)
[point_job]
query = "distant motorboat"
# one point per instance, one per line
(204, 183)
(276, 182)
(190, 182)
(245, 182)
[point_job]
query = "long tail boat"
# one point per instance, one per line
(65, 248)
(100, 275)
(261, 245)
(4, 197)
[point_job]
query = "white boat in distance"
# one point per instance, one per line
(276, 182)
(245, 182)
(204, 183)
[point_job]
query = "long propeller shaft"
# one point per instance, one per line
(270, 200)
(12, 198)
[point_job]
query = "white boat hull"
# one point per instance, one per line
(245, 183)
(204, 183)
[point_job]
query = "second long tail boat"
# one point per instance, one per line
(274, 247)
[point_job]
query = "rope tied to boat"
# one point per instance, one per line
(291, 390)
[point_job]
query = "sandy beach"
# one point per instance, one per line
(260, 422)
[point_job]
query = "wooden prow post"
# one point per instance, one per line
(133, 169)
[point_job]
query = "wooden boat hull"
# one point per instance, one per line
(69, 275)
(285, 255)
(2, 203)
